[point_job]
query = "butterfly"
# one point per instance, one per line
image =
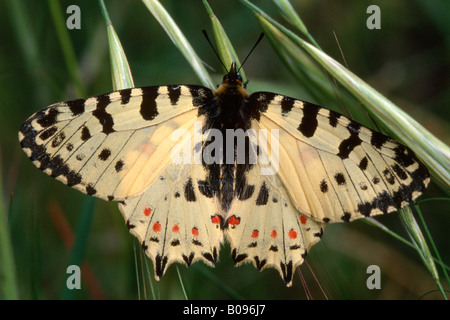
(191, 168)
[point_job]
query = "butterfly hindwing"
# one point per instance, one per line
(264, 228)
(113, 145)
(174, 221)
(335, 169)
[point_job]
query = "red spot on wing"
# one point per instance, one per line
(147, 211)
(216, 219)
(234, 221)
(255, 234)
(292, 234)
(303, 219)
(175, 228)
(157, 227)
(273, 234)
(194, 232)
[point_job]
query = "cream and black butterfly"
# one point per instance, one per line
(323, 167)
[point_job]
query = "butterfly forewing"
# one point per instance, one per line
(335, 169)
(114, 145)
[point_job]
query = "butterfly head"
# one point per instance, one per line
(232, 78)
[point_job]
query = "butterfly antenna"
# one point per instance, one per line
(210, 43)
(257, 41)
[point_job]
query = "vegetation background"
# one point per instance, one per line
(407, 60)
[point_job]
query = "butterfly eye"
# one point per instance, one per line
(239, 79)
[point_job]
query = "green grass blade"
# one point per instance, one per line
(224, 46)
(420, 244)
(121, 72)
(82, 231)
(430, 239)
(66, 46)
(8, 281)
(180, 41)
(181, 284)
(290, 15)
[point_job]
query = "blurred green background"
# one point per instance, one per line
(407, 60)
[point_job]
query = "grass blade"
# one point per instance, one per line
(81, 236)
(224, 46)
(8, 281)
(420, 244)
(66, 46)
(180, 41)
(121, 72)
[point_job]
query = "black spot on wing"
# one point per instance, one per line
(160, 265)
(104, 154)
(125, 96)
(333, 118)
(149, 109)
(399, 171)
(263, 195)
(404, 156)
(119, 165)
(90, 190)
(363, 163)
(209, 257)
(259, 263)
(286, 270)
(319, 234)
(85, 134)
(286, 105)
(102, 115)
(130, 225)
(76, 106)
(273, 248)
(238, 258)
(340, 178)
(69, 146)
(174, 94)
(188, 260)
(58, 139)
(309, 122)
(323, 186)
(47, 117)
(377, 140)
(47, 133)
(189, 193)
(351, 142)
(389, 176)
